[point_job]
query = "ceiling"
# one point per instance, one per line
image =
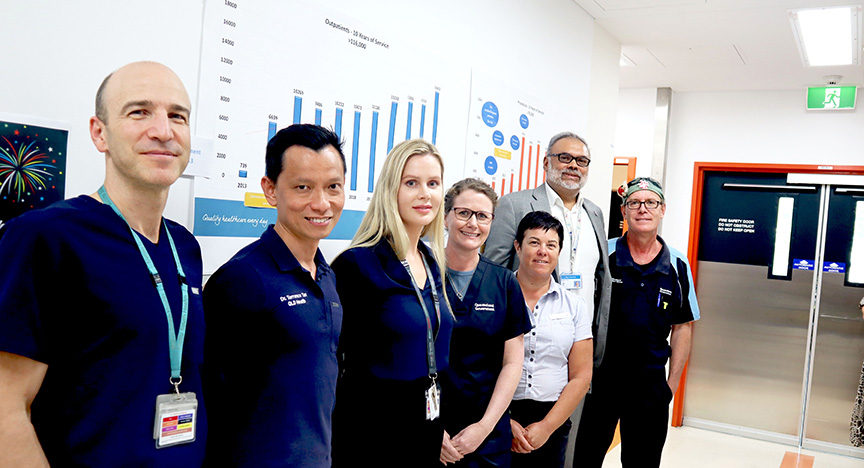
(714, 45)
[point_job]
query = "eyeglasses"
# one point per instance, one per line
(567, 158)
(649, 204)
(464, 214)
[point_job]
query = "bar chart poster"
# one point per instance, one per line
(508, 131)
(264, 69)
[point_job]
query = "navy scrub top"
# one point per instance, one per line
(76, 295)
(492, 311)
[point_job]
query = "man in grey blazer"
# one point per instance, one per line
(584, 257)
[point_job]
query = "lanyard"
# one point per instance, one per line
(430, 337)
(574, 234)
(175, 342)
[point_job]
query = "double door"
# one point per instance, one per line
(778, 352)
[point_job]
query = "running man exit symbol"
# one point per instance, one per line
(832, 98)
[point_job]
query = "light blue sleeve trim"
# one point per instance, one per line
(691, 298)
(612, 244)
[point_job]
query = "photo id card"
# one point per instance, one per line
(571, 280)
(176, 419)
(433, 402)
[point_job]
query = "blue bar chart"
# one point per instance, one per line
(393, 107)
(372, 142)
(271, 130)
(298, 107)
(355, 148)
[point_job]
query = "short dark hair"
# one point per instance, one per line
(101, 113)
(539, 220)
(314, 137)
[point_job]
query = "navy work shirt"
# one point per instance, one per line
(492, 311)
(385, 329)
(76, 295)
(272, 333)
(646, 302)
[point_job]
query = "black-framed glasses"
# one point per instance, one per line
(649, 204)
(567, 158)
(464, 214)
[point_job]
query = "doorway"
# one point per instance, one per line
(623, 170)
(779, 273)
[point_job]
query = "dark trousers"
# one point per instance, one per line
(382, 423)
(486, 460)
(551, 454)
(642, 406)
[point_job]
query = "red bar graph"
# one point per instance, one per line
(537, 169)
(521, 159)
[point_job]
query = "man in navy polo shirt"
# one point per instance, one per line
(100, 307)
(653, 299)
(274, 317)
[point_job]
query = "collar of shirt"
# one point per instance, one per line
(285, 259)
(556, 201)
(624, 259)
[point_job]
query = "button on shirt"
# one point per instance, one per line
(560, 319)
(587, 251)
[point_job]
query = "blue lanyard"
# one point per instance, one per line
(175, 341)
(430, 337)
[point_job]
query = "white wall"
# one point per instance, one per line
(634, 127)
(57, 53)
(602, 111)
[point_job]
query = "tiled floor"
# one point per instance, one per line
(688, 447)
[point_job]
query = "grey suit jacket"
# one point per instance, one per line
(499, 248)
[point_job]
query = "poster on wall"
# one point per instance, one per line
(267, 67)
(32, 164)
(508, 130)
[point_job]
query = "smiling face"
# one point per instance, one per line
(643, 220)
(145, 134)
(568, 177)
(420, 191)
(308, 195)
(538, 253)
(468, 235)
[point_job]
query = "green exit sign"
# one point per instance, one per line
(831, 97)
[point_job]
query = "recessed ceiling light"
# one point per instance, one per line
(827, 36)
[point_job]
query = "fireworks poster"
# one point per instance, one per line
(32, 164)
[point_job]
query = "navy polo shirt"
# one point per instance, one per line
(385, 328)
(646, 302)
(491, 312)
(76, 295)
(272, 333)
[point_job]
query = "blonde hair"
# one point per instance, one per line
(382, 219)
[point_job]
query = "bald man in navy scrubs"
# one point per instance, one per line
(88, 289)
(274, 317)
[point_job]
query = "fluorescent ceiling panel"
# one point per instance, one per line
(827, 36)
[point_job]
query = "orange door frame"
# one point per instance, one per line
(699, 170)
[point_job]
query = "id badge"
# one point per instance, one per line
(433, 402)
(571, 281)
(176, 419)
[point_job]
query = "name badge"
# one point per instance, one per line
(433, 402)
(176, 419)
(571, 281)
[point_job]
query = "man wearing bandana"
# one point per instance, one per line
(653, 299)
